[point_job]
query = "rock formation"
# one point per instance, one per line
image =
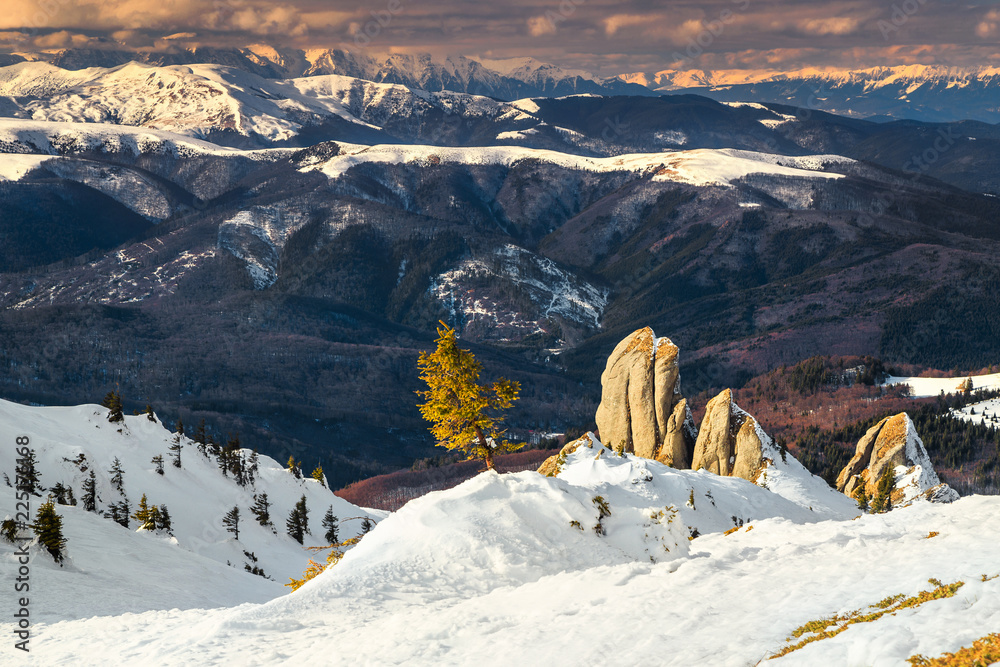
(893, 443)
(641, 404)
(730, 442)
(642, 412)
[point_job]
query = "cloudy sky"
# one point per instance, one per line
(604, 36)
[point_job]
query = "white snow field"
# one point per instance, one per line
(984, 412)
(495, 572)
(928, 387)
(13, 167)
(111, 570)
(703, 166)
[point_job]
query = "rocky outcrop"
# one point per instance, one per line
(893, 444)
(678, 437)
(730, 441)
(642, 410)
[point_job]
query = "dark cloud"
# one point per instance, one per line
(604, 36)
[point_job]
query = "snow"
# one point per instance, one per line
(13, 167)
(696, 167)
(927, 387)
(984, 412)
(493, 572)
(112, 570)
(527, 105)
(552, 289)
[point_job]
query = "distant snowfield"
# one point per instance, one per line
(984, 412)
(927, 387)
(696, 167)
(495, 572)
(13, 167)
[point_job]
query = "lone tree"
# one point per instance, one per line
(464, 414)
(116, 473)
(330, 523)
(90, 493)
(232, 521)
(261, 509)
(28, 475)
(113, 402)
(48, 528)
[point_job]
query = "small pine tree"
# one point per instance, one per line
(123, 512)
(464, 414)
(232, 521)
(48, 528)
(317, 474)
(175, 451)
(9, 530)
(330, 523)
(29, 479)
(149, 413)
(113, 402)
(164, 521)
(297, 523)
(90, 498)
(158, 462)
(59, 494)
(882, 501)
(117, 473)
(252, 466)
(144, 514)
(862, 497)
(201, 437)
(261, 509)
(366, 526)
(294, 468)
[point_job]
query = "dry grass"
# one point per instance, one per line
(984, 651)
(817, 630)
(931, 534)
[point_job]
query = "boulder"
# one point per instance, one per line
(894, 444)
(731, 442)
(640, 395)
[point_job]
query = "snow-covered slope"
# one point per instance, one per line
(525, 569)
(13, 167)
(108, 565)
(927, 387)
(696, 167)
(984, 412)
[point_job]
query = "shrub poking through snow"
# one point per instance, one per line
(984, 651)
(814, 631)
(603, 512)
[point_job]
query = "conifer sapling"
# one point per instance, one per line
(464, 415)
(232, 521)
(48, 528)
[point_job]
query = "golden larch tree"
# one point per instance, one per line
(464, 415)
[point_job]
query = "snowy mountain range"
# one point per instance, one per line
(933, 93)
(508, 79)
